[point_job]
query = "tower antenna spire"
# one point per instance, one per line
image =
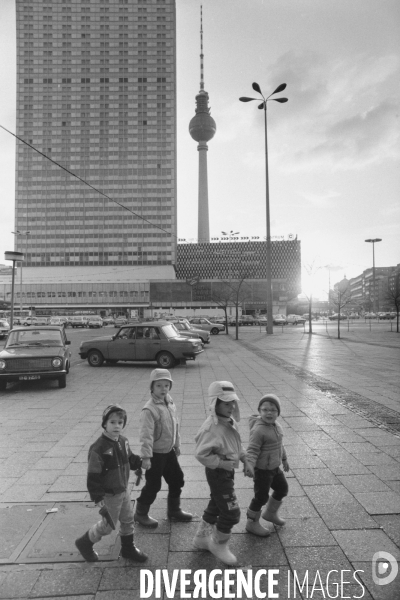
(201, 50)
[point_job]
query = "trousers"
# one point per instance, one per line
(263, 481)
(167, 466)
(223, 508)
(120, 508)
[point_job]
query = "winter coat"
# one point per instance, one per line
(159, 431)
(218, 439)
(266, 449)
(110, 462)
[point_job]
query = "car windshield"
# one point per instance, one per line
(35, 337)
(170, 330)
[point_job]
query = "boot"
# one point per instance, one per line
(271, 511)
(174, 511)
(129, 550)
(85, 547)
(218, 546)
(253, 523)
(201, 540)
(142, 516)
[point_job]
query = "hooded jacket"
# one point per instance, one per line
(266, 450)
(159, 430)
(219, 439)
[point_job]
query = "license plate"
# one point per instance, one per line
(28, 377)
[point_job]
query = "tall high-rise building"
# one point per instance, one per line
(96, 92)
(202, 128)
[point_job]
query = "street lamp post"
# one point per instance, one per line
(372, 241)
(26, 233)
(263, 106)
(14, 257)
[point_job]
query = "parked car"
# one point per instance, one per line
(78, 321)
(35, 353)
(354, 315)
(279, 319)
(153, 341)
(201, 323)
(335, 317)
(248, 320)
(4, 328)
(369, 315)
(60, 321)
(185, 329)
(108, 321)
(119, 321)
(27, 321)
(95, 322)
(295, 319)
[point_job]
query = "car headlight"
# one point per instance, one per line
(56, 362)
(2, 364)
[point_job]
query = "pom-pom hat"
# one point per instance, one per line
(224, 391)
(271, 398)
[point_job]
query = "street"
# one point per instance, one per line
(340, 414)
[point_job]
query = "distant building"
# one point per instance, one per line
(362, 288)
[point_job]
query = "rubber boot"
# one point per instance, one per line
(271, 511)
(85, 547)
(218, 546)
(142, 516)
(129, 550)
(253, 524)
(174, 511)
(201, 540)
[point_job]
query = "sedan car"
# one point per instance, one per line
(296, 319)
(201, 323)
(35, 353)
(335, 317)
(152, 341)
(60, 321)
(119, 321)
(279, 319)
(95, 322)
(4, 328)
(186, 330)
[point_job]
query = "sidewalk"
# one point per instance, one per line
(344, 484)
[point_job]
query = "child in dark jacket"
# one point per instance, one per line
(265, 454)
(110, 461)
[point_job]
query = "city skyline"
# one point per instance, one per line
(331, 146)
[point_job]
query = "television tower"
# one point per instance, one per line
(202, 128)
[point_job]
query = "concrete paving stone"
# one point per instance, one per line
(23, 493)
(339, 434)
(81, 456)
(377, 458)
(315, 476)
(348, 516)
(354, 422)
(52, 463)
(188, 460)
(74, 581)
(297, 507)
(377, 592)
(359, 448)
(394, 485)
(306, 531)
(329, 494)
(390, 525)
(295, 489)
(350, 467)
(386, 472)
(40, 477)
(379, 503)
(361, 545)
(187, 448)
(71, 483)
(372, 432)
(67, 451)
(297, 449)
(195, 489)
(182, 535)
(305, 462)
(44, 446)
(310, 559)
(76, 469)
(17, 584)
(7, 482)
(316, 442)
(393, 451)
(385, 440)
(363, 483)
(65, 497)
(301, 423)
(122, 578)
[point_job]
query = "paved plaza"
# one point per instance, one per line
(341, 419)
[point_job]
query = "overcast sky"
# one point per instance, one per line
(333, 148)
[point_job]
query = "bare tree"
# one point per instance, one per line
(341, 297)
(392, 296)
(222, 295)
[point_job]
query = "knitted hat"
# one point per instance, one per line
(158, 374)
(112, 409)
(224, 391)
(270, 398)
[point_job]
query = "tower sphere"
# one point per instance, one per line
(202, 127)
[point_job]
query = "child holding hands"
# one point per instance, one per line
(265, 454)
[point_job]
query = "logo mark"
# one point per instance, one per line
(384, 568)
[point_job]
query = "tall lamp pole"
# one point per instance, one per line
(373, 269)
(14, 257)
(26, 233)
(263, 106)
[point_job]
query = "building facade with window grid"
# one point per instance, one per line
(96, 92)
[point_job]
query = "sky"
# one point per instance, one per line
(333, 148)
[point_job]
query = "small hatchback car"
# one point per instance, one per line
(154, 340)
(33, 353)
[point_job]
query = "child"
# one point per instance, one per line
(110, 460)
(159, 438)
(265, 454)
(219, 449)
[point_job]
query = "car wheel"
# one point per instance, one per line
(3, 385)
(214, 331)
(165, 360)
(95, 358)
(62, 381)
(67, 368)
